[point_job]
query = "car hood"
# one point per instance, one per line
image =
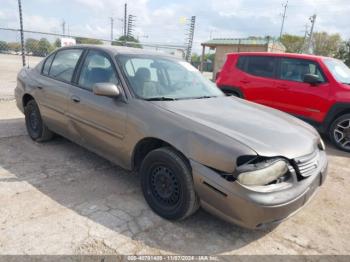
(267, 131)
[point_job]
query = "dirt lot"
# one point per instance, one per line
(58, 198)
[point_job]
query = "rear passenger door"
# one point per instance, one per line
(258, 79)
(57, 73)
(97, 122)
(297, 97)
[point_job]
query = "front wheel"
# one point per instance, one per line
(36, 128)
(167, 184)
(339, 132)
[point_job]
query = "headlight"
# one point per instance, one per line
(321, 145)
(264, 174)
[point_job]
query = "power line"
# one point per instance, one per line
(283, 17)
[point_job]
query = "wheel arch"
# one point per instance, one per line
(146, 145)
(26, 98)
(335, 111)
(232, 89)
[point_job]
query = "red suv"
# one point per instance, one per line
(313, 88)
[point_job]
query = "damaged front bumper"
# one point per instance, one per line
(250, 208)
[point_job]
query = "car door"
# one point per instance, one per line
(297, 97)
(97, 122)
(54, 84)
(258, 79)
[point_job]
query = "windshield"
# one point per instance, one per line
(159, 78)
(339, 70)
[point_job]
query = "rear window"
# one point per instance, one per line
(62, 67)
(262, 66)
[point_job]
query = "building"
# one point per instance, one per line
(224, 46)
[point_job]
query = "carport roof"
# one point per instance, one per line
(235, 41)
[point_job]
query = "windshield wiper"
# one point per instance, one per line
(346, 83)
(203, 97)
(160, 98)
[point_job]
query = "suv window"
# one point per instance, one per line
(97, 68)
(263, 66)
(63, 65)
(47, 64)
(295, 69)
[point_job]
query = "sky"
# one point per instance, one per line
(162, 21)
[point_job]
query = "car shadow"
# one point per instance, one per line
(106, 194)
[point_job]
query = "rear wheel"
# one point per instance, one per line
(36, 128)
(167, 184)
(339, 132)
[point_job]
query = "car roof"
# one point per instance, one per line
(115, 50)
(290, 55)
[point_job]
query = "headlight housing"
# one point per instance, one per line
(262, 173)
(321, 145)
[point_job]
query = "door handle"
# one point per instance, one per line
(40, 87)
(75, 99)
(244, 81)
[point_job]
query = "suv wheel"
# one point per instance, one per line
(167, 184)
(339, 132)
(36, 128)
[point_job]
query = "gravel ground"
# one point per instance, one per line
(58, 198)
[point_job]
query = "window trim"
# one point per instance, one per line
(304, 59)
(55, 53)
(76, 78)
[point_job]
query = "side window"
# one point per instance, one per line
(47, 64)
(63, 65)
(97, 68)
(295, 69)
(241, 63)
(263, 66)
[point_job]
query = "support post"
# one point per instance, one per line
(202, 58)
(21, 31)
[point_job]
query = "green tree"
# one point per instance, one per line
(57, 43)
(293, 43)
(3, 46)
(127, 41)
(195, 58)
(90, 41)
(14, 46)
(326, 44)
(31, 45)
(43, 48)
(344, 52)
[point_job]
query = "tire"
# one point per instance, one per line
(36, 128)
(167, 184)
(339, 132)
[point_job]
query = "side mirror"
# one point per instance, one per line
(312, 79)
(106, 89)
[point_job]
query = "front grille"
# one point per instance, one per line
(307, 165)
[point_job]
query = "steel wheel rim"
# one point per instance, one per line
(342, 134)
(165, 186)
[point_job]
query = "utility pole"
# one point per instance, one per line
(283, 17)
(21, 30)
(303, 47)
(63, 28)
(125, 18)
(313, 20)
(112, 23)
